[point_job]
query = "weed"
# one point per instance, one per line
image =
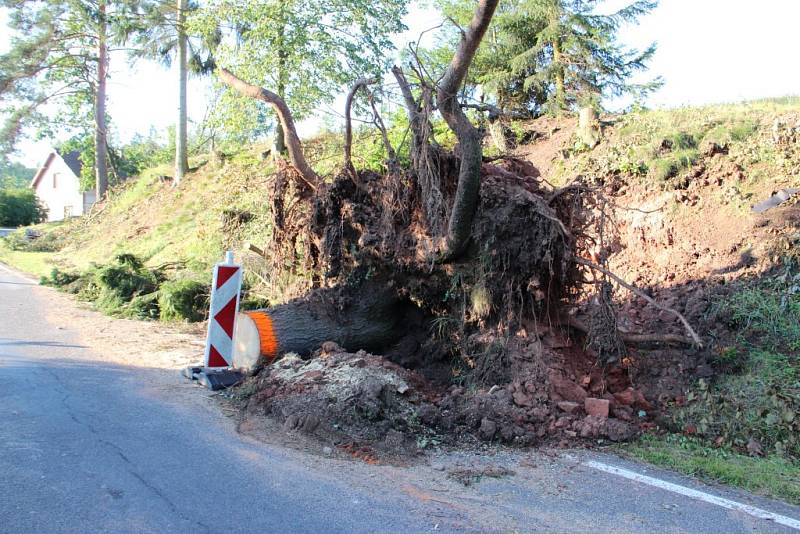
(759, 398)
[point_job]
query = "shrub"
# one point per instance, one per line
(59, 278)
(183, 300)
(20, 207)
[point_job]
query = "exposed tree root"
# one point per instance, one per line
(635, 339)
(638, 292)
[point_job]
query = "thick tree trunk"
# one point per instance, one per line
(295, 149)
(181, 138)
(100, 146)
(371, 322)
(469, 139)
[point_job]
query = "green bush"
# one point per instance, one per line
(129, 289)
(59, 278)
(20, 207)
(662, 169)
(183, 300)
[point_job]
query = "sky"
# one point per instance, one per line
(709, 51)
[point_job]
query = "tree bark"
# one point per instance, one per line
(588, 126)
(279, 146)
(466, 198)
(373, 321)
(100, 141)
(561, 94)
(181, 138)
(293, 145)
(348, 124)
(412, 108)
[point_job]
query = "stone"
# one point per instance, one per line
(567, 389)
(327, 451)
(590, 426)
(312, 375)
(596, 407)
(568, 406)
(626, 397)
(617, 430)
(487, 429)
(562, 422)
(331, 346)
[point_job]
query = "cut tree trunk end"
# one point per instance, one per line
(373, 321)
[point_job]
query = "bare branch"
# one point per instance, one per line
(645, 296)
(469, 175)
(307, 174)
(348, 125)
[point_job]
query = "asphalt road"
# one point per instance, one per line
(87, 445)
(5, 231)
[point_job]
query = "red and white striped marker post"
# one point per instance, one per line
(225, 288)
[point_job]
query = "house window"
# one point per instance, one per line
(55, 180)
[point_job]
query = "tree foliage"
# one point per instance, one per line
(20, 207)
(57, 56)
(15, 175)
(551, 55)
(303, 50)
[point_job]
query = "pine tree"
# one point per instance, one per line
(552, 55)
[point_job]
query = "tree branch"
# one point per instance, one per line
(348, 125)
(298, 160)
(469, 175)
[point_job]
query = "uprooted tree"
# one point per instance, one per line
(444, 258)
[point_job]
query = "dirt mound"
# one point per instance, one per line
(374, 409)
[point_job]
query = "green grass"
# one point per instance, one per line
(771, 476)
(757, 394)
(34, 263)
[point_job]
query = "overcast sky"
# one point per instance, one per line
(708, 51)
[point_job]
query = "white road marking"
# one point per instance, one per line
(695, 494)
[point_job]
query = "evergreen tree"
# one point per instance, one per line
(551, 55)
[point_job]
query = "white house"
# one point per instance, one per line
(57, 184)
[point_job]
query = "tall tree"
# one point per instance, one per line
(551, 55)
(59, 53)
(303, 51)
(161, 33)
